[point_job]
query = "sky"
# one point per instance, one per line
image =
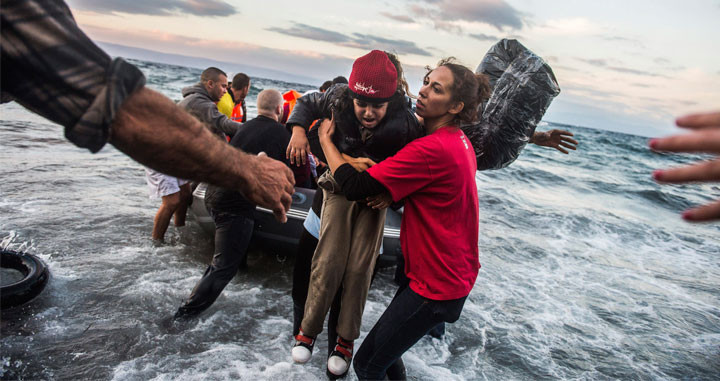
(630, 66)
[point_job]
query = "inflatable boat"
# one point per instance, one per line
(272, 234)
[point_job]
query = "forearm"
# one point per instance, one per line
(357, 185)
(539, 138)
(154, 131)
(334, 158)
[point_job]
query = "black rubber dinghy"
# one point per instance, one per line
(35, 276)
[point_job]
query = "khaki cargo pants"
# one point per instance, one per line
(350, 238)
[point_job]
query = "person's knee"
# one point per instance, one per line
(171, 201)
(358, 272)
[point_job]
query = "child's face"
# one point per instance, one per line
(369, 114)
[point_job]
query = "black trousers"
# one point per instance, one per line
(232, 237)
(406, 320)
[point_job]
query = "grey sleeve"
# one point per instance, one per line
(221, 121)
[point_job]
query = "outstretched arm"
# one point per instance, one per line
(558, 139)
(151, 129)
(308, 108)
(705, 138)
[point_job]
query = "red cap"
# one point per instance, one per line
(373, 78)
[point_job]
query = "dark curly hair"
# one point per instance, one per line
(469, 88)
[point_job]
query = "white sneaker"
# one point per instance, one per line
(337, 365)
(302, 350)
(339, 360)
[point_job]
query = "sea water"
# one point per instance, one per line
(588, 272)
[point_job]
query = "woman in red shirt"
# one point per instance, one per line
(435, 176)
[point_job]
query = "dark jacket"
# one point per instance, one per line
(197, 102)
(261, 134)
(398, 128)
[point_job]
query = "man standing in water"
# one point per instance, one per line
(175, 195)
(233, 213)
(52, 68)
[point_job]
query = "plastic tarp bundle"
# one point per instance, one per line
(523, 86)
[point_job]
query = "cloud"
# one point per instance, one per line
(635, 71)
(631, 41)
(212, 8)
(641, 85)
(401, 18)
(666, 64)
(312, 33)
(367, 41)
(483, 37)
(595, 62)
(300, 62)
(356, 40)
(445, 14)
(599, 62)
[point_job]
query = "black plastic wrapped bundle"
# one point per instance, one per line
(523, 86)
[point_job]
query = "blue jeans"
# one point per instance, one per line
(406, 320)
(232, 237)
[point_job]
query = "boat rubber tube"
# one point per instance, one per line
(523, 85)
(35, 277)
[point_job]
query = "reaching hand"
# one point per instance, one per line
(359, 163)
(298, 148)
(705, 138)
(555, 139)
(381, 201)
(270, 185)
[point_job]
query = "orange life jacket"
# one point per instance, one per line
(290, 98)
(237, 113)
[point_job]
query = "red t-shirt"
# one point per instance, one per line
(435, 175)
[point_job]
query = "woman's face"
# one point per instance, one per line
(369, 114)
(434, 98)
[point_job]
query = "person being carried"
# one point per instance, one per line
(200, 100)
(43, 50)
(233, 213)
(374, 115)
(435, 175)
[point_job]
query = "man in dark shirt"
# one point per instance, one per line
(233, 213)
